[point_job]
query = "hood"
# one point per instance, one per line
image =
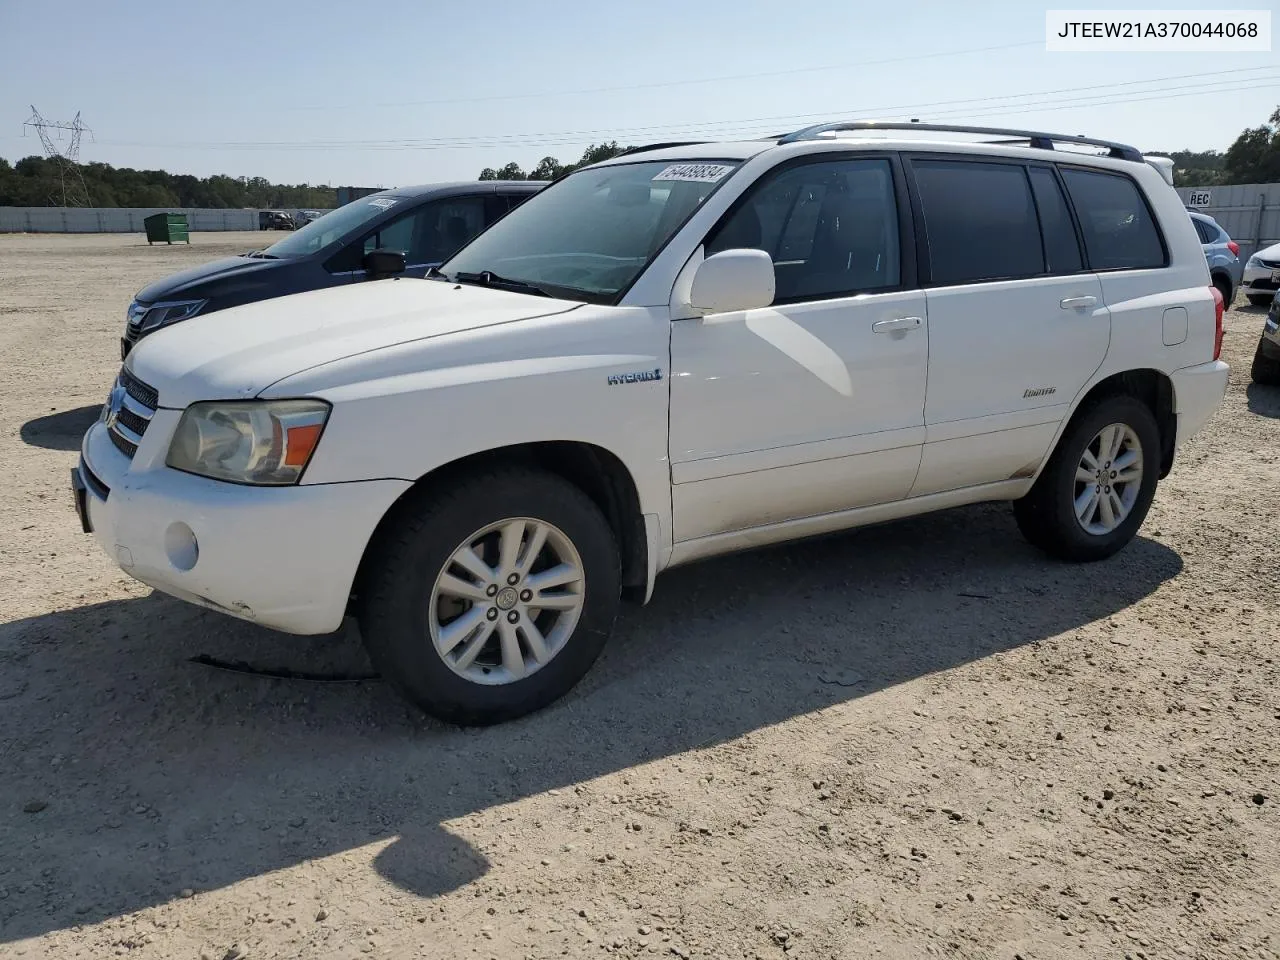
(239, 352)
(227, 274)
(1271, 253)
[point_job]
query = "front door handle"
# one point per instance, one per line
(898, 323)
(1079, 303)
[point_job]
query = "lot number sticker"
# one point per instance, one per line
(694, 172)
(1198, 198)
(384, 202)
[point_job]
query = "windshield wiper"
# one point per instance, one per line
(260, 255)
(487, 278)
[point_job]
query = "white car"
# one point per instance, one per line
(677, 353)
(1262, 275)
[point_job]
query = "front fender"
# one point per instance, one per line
(406, 411)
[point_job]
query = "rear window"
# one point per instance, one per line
(1209, 233)
(1119, 230)
(980, 221)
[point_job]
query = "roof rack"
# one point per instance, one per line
(1037, 140)
(660, 146)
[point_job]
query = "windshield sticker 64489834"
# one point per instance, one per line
(694, 172)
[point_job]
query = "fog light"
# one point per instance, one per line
(181, 547)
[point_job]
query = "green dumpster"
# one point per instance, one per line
(169, 227)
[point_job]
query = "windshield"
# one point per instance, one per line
(321, 232)
(590, 235)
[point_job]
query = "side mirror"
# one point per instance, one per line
(383, 263)
(733, 280)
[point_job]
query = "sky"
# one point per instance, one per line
(392, 93)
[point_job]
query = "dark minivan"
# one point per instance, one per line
(401, 232)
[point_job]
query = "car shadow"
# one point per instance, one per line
(1263, 400)
(60, 431)
(158, 775)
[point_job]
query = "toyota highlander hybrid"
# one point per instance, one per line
(676, 353)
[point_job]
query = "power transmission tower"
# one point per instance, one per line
(74, 191)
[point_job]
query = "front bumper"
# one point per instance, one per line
(1271, 330)
(1197, 394)
(283, 557)
(1261, 280)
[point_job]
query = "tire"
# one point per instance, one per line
(1047, 515)
(405, 605)
(1259, 300)
(1224, 287)
(1265, 369)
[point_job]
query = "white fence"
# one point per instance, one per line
(1249, 212)
(116, 219)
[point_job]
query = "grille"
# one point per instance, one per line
(144, 394)
(1269, 263)
(132, 421)
(129, 412)
(123, 445)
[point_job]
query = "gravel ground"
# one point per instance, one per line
(918, 739)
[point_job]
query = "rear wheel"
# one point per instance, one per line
(490, 600)
(1098, 485)
(1257, 300)
(1224, 287)
(1266, 365)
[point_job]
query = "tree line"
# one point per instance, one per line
(36, 182)
(549, 168)
(1254, 157)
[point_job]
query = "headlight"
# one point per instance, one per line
(267, 442)
(1253, 262)
(146, 319)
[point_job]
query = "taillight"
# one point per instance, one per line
(1234, 248)
(1219, 307)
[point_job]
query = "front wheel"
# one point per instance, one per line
(1096, 489)
(490, 600)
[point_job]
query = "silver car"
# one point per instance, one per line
(1262, 275)
(1223, 255)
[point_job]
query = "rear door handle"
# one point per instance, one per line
(1076, 303)
(898, 323)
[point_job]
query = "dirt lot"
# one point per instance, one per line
(919, 739)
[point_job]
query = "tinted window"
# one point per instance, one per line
(396, 235)
(831, 228)
(1117, 225)
(510, 201)
(1207, 233)
(980, 221)
(318, 234)
(1061, 249)
(433, 232)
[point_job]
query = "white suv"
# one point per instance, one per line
(681, 352)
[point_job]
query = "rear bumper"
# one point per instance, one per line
(1197, 394)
